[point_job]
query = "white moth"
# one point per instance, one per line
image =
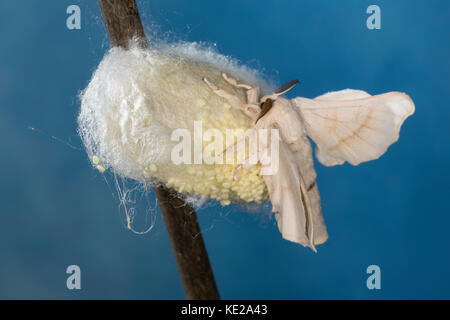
(348, 125)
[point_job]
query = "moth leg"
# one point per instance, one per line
(236, 172)
(250, 110)
(234, 100)
(252, 160)
(234, 82)
(253, 93)
(238, 151)
(249, 163)
(234, 149)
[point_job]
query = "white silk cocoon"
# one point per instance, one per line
(137, 97)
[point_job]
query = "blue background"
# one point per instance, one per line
(394, 212)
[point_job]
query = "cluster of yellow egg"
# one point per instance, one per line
(223, 182)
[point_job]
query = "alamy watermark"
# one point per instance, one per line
(374, 20)
(73, 21)
(374, 280)
(74, 280)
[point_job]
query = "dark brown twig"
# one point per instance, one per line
(123, 23)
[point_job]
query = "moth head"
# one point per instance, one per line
(266, 102)
(265, 107)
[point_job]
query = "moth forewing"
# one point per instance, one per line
(294, 217)
(293, 189)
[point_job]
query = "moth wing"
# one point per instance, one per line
(294, 214)
(353, 126)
